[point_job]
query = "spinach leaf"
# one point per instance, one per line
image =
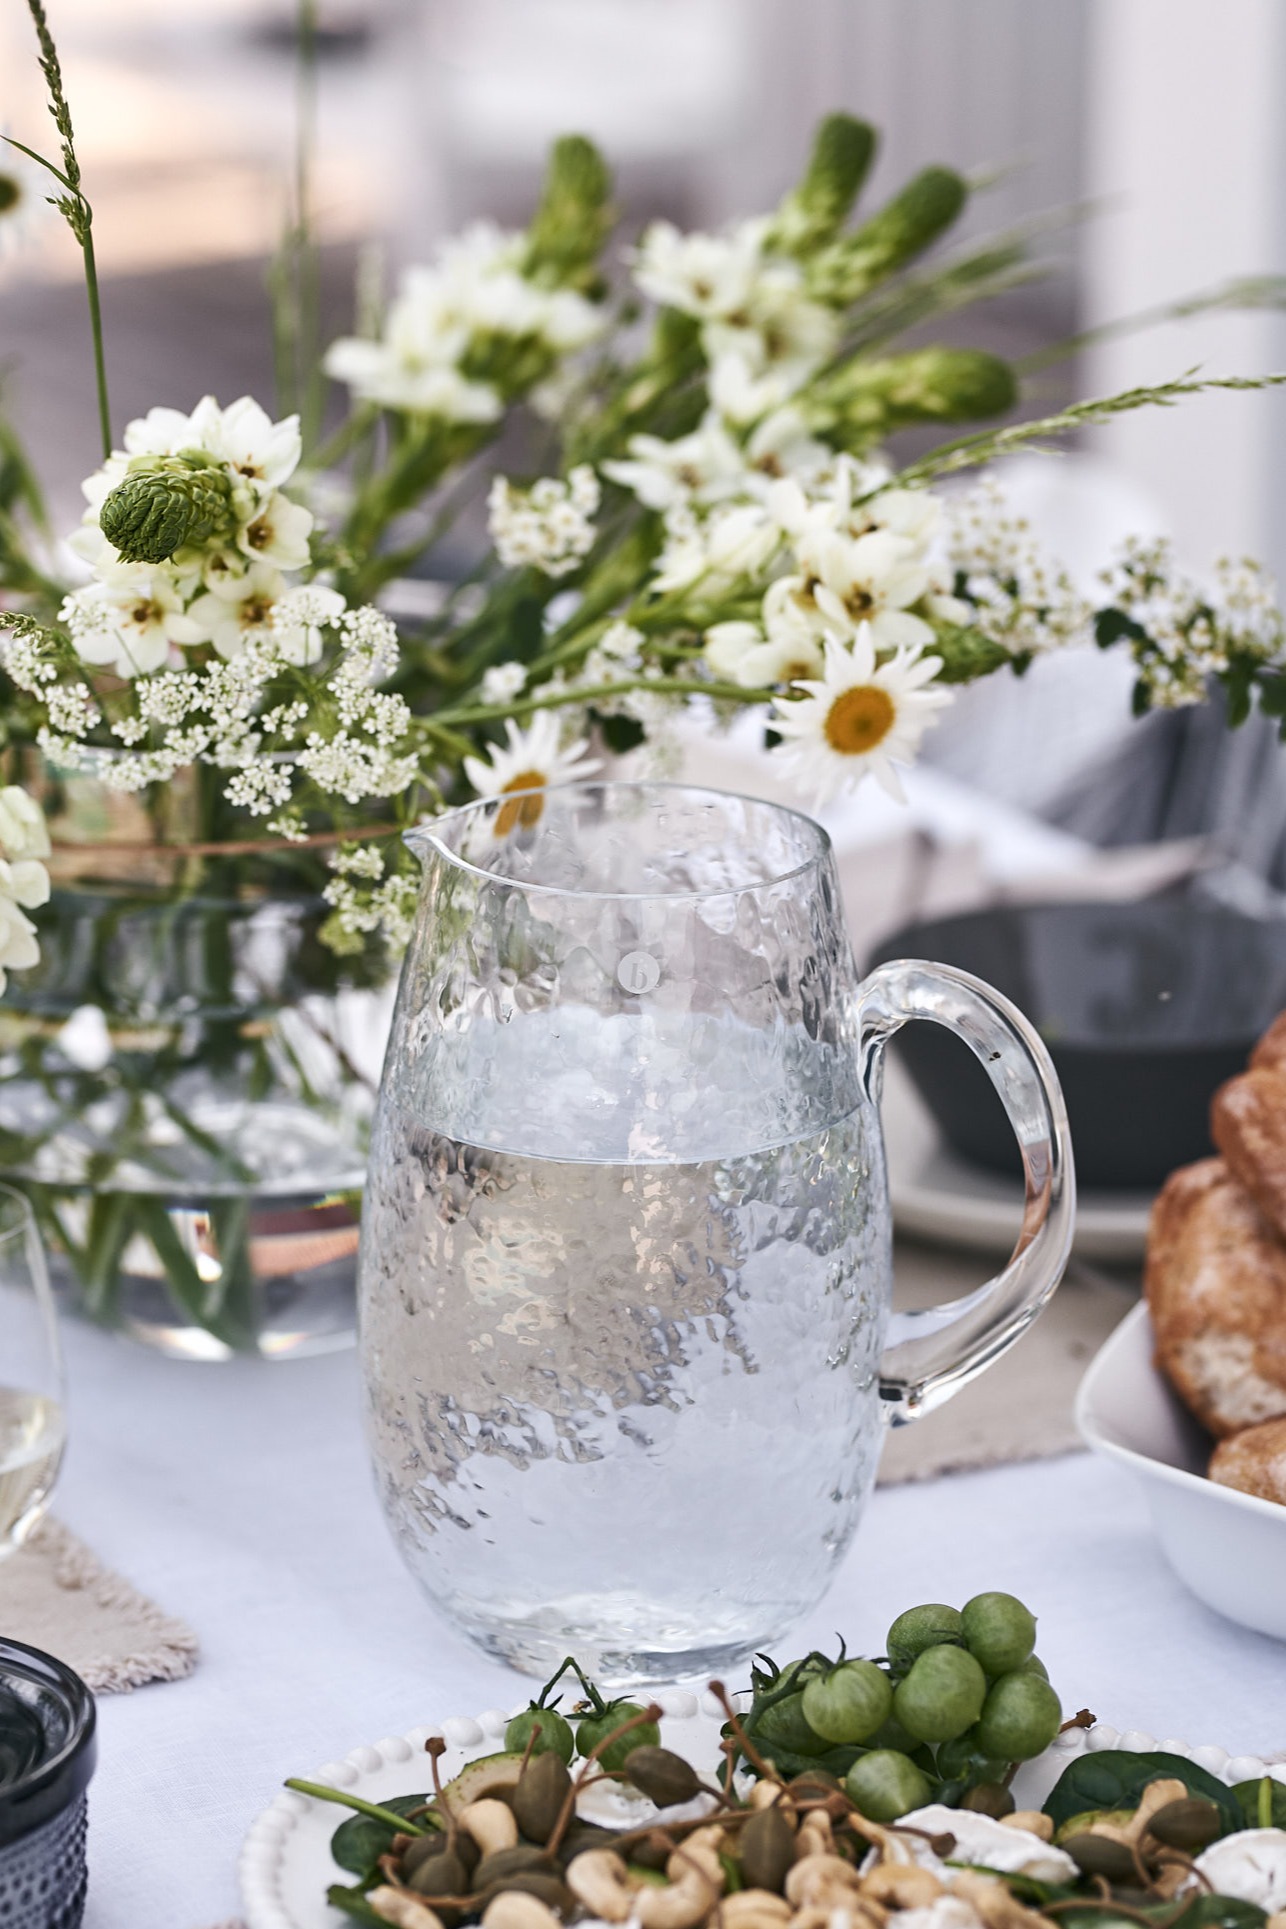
(1249, 1795)
(358, 1843)
(1205, 1912)
(1116, 1778)
(353, 1903)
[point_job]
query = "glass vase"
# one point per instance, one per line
(185, 1088)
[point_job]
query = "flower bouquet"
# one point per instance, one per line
(207, 698)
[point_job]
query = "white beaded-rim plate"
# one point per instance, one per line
(286, 1864)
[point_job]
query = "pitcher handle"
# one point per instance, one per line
(931, 1354)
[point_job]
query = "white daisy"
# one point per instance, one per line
(860, 715)
(245, 437)
(532, 760)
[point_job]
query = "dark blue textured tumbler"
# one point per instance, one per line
(47, 1753)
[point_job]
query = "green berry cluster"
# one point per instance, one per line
(959, 1697)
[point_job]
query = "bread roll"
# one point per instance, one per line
(1248, 1124)
(1269, 1054)
(1254, 1461)
(1215, 1281)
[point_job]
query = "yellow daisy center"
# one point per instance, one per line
(524, 811)
(859, 719)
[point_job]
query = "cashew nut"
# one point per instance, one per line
(888, 1844)
(901, 1887)
(854, 1911)
(1032, 1820)
(514, 1910)
(820, 1881)
(754, 1909)
(492, 1825)
(766, 1794)
(600, 1879)
(402, 1910)
(815, 1835)
(994, 1902)
(695, 1884)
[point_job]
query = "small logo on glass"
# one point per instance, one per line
(638, 971)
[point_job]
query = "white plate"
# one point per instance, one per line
(937, 1196)
(1229, 1547)
(286, 1864)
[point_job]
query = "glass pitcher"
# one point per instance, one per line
(626, 1243)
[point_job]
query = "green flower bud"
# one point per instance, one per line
(574, 215)
(863, 401)
(167, 503)
(848, 267)
(816, 210)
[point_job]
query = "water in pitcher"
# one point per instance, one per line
(621, 1373)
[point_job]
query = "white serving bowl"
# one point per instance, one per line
(1228, 1547)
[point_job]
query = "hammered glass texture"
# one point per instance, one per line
(42, 1874)
(626, 1248)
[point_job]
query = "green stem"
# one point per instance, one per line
(322, 1793)
(307, 276)
(96, 330)
(661, 685)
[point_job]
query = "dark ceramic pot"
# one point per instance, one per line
(47, 1755)
(1146, 1008)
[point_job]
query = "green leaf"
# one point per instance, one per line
(967, 654)
(1238, 681)
(359, 1842)
(1140, 699)
(1206, 1912)
(1272, 693)
(1117, 1777)
(620, 733)
(1254, 1802)
(353, 1903)
(1114, 626)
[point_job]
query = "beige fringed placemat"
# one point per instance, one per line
(1021, 1408)
(57, 1595)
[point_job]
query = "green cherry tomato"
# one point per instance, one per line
(849, 1704)
(920, 1628)
(786, 1725)
(885, 1785)
(1033, 1665)
(891, 1734)
(1020, 1718)
(999, 1631)
(552, 1731)
(591, 1730)
(941, 1696)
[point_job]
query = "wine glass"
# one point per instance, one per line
(32, 1419)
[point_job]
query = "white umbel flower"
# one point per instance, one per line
(547, 527)
(532, 760)
(502, 682)
(861, 716)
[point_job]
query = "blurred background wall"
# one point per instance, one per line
(1160, 117)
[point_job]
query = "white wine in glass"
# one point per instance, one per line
(32, 1420)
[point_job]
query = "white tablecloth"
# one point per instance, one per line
(239, 1497)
